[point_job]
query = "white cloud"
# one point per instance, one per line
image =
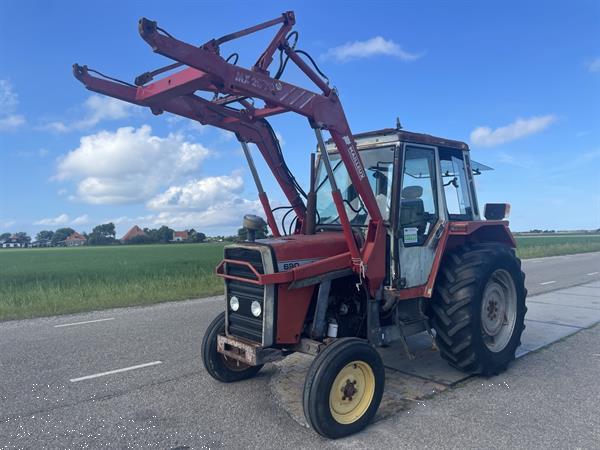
(199, 194)
(11, 122)
(217, 216)
(506, 158)
(210, 202)
(279, 137)
(119, 220)
(225, 135)
(7, 223)
(62, 219)
(365, 49)
(185, 124)
(81, 220)
(9, 101)
(129, 165)
(521, 160)
(594, 65)
(486, 137)
(221, 217)
(96, 109)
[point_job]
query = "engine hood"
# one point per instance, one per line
(297, 250)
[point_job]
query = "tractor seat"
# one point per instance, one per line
(412, 211)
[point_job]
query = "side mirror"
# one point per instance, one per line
(496, 211)
(253, 223)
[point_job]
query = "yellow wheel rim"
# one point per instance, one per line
(352, 392)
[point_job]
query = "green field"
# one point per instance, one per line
(44, 282)
(539, 246)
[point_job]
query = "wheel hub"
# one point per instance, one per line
(498, 310)
(349, 389)
(352, 392)
(493, 309)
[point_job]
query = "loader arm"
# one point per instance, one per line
(208, 71)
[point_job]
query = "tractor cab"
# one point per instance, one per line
(420, 182)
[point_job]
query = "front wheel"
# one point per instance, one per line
(479, 308)
(219, 366)
(343, 388)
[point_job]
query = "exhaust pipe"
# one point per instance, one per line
(311, 200)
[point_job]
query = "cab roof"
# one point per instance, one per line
(392, 135)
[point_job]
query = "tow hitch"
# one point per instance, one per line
(247, 352)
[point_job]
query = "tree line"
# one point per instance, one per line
(103, 234)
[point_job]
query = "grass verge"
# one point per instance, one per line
(43, 282)
(541, 246)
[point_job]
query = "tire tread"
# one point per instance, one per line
(453, 309)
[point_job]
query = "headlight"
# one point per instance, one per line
(255, 308)
(234, 303)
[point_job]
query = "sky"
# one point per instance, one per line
(518, 81)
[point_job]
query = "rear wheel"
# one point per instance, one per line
(479, 308)
(343, 388)
(219, 366)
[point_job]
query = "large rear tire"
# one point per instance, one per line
(219, 366)
(343, 388)
(479, 308)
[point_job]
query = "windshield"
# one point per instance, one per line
(378, 164)
(454, 175)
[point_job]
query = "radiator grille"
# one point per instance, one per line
(241, 322)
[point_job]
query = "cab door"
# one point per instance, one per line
(420, 213)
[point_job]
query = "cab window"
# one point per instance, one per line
(378, 163)
(418, 200)
(456, 185)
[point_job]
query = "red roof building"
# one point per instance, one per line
(133, 232)
(180, 236)
(75, 240)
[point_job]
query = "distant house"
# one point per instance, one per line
(133, 232)
(75, 240)
(42, 243)
(12, 242)
(180, 236)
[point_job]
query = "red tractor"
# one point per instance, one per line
(387, 242)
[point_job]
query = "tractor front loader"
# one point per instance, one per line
(387, 242)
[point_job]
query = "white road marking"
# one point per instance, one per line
(548, 282)
(82, 323)
(592, 273)
(112, 372)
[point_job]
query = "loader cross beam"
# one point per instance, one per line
(230, 84)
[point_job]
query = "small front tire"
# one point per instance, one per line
(343, 388)
(218, 366)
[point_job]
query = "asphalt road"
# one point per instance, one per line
(54, 391)
(557, 272)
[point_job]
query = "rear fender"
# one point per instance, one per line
(463, 233)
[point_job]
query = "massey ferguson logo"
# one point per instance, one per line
(354, 157)
(258, 83)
